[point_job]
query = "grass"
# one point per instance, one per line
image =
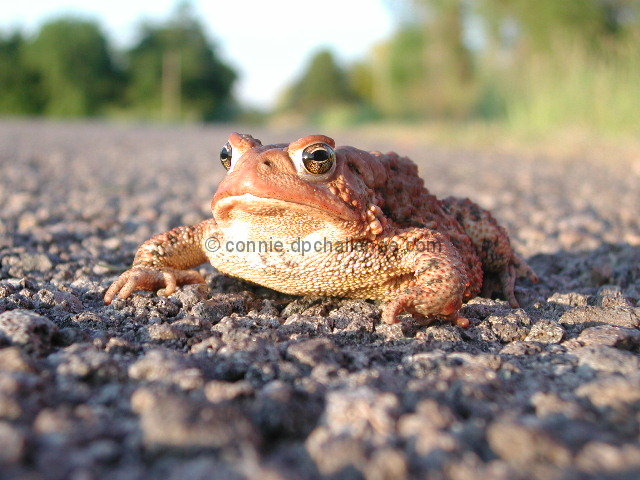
(575, 89)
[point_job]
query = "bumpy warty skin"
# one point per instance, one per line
(365, 228)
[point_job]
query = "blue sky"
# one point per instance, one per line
(268, 42)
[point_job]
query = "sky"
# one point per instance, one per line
(268, 42)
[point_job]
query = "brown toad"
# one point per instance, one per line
(311, 219)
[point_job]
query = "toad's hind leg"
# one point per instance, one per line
(499, 260)
(440, 280)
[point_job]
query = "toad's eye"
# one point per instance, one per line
(319, 159)
(225, 156)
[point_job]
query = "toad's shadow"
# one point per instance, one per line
(586, 271)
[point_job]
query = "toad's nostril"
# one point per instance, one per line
(267, 163)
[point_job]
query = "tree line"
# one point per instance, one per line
(531, 64)
(69, 69)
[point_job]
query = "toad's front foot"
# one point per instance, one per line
(164, 280)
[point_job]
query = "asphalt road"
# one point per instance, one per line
(235, 381)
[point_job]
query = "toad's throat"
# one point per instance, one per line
(248, 203)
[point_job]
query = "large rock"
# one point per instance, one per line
(171, 421)
(32, 332)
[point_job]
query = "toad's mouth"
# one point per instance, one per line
(249, 203)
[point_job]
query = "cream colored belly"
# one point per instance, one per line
(308, 267)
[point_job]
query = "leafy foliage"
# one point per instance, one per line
(175, 73)
(68, 69)
(19, 85)
(72, 59)
(533, 65)
(323, 84)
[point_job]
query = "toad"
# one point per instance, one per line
(308, 218)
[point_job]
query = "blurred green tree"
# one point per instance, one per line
(72, 58)
(360, 76)
(20, 90)
(399, 71)
(426, 69)
(323, 84)
(175, 73)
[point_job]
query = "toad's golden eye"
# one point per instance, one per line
(319, 158)
(225, 156)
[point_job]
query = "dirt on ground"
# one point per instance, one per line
(233, 381)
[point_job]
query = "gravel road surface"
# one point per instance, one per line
(233, 381)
